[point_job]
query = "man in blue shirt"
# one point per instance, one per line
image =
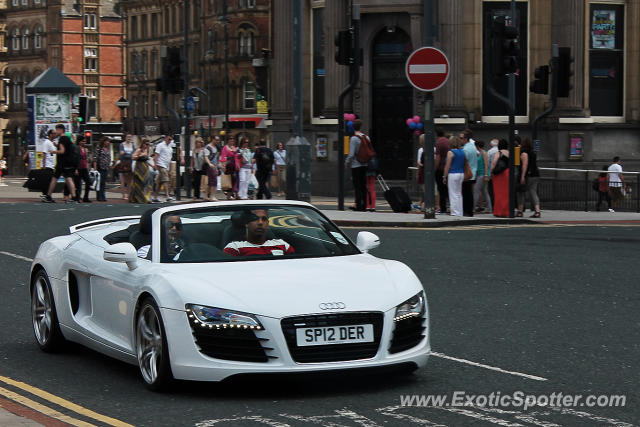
(471, 155)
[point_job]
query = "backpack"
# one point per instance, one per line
(365, 151)
(596, 184)
(264, 159)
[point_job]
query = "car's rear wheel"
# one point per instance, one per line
(151, 346)
(43, 314)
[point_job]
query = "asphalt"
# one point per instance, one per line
(13, 192)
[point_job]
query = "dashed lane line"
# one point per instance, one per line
(24, 258)
(58, 401)
(492, 368)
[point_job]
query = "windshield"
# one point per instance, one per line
(249, 233)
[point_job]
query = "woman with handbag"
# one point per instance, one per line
(529, 177)
(125, 170)
(500, 180)
(140, 188)
(454, 175)
(230, 177)
(211, 159)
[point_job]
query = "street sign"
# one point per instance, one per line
(122, 102)
(427, 69)
(191, 104)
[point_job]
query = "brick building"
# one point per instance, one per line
(83, 39)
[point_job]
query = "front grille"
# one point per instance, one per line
(241, 345)
(408, 333)
(332, 352)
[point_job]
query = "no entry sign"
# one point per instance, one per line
(427, 69)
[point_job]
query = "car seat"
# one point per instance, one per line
(236, 229)
(142, 236)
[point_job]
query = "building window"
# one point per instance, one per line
(91, 59)
(37, 37)
(143, 26)
(17, 93)
(318, 61)
(36, 1)
(145, 62)
(25, 2)
(15, 40)
(154, 104)
(246, 40)
(154, 25)
(167, 21)
(246, 4)
(606, 59)
(25, 39)
(490, 105)
(92, 102)
(89, 21)
(248, 95)
(153, 72)
(15, 2)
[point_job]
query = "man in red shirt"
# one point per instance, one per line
(257, 243)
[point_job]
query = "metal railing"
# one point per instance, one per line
(563, 189)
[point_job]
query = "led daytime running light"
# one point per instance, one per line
(220, 318)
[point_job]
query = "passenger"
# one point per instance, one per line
(257, 243)
(174, 245)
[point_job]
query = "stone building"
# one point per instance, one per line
(600, 118)
(151, 26)
(83, 39)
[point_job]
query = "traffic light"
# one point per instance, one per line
(343, 42)
(541, 82)
(505, 48)
(564, 72)
(83, 109)
(87, 136)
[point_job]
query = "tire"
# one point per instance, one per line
(151, 347)
(43, 315)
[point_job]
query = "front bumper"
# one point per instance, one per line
(188, 363)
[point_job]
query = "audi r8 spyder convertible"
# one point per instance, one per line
(209, 290)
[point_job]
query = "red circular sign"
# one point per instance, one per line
(427, 69)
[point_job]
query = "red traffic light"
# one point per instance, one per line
(87, 134)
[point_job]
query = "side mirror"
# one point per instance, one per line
(122, 252)
(367, 241)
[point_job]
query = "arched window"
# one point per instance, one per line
(25, 39)
(144, 67)
(246, 40)
(15, 40)
(37, 37)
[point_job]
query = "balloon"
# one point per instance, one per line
(420, 126)
(346, 116)
(223, 133)
(417, 132)
(416, 119)
(351, 117)
(412, 125)
(409, 121)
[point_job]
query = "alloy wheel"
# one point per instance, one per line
(41, 311)
(149, 343)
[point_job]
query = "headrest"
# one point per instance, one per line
(145, 221)
(242, 218)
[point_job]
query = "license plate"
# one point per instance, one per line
(334, 335)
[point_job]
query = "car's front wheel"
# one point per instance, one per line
(43, 314)
(151, 346)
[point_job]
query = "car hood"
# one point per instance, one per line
(279, 288)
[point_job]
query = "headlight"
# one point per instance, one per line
(413, 307)
(212, 317)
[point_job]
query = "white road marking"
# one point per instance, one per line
(254, 418)
(428, 69)
(493, 368)
(325, 420)
(24, 258)
(581, 414)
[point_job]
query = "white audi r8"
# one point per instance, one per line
(209, 290)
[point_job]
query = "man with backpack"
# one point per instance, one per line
(360, 153)
(263, 159)
(66, 164)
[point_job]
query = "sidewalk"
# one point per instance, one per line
(13, 192)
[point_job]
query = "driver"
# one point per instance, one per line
(257, 243)
(175, 244)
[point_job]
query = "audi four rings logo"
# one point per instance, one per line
(332, 306)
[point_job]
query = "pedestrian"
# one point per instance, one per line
(500, 180)
(603, 189)
(211, 158)
(125, 169)
(490, 153)
(82, 174)
(102, 163)
(529, 178)
(263, 158)
(197, 167)
(162, 163)
(228, 159)
(481, 189)
(420, 162)
(246, 168)
(454, 175)
(616, 183)
(142, 181)
(66, 164)
(3, 170)
(358, 168)
(442, 148)
(48, 162)
(280, 156)
(471, 154)
(372, 172)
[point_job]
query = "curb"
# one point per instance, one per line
(434, 224)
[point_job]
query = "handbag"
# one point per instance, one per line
(226, 183)
(467, 171)
(501, 165)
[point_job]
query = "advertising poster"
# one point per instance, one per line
(603, 29)
(321, 148)
(575, 146)
(53, 107)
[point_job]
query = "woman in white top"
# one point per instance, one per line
(280, 157)
(246, 169)
(125, 165)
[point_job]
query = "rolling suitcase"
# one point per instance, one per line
(397, 198)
